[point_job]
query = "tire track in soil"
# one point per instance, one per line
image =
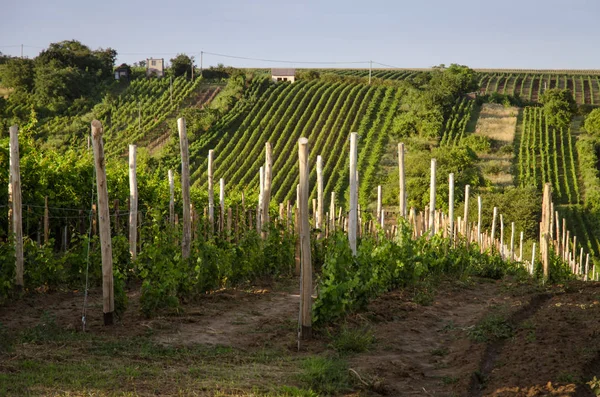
(492, 350)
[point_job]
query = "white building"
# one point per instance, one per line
(283, 75)
(155, 67)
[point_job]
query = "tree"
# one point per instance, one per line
(559, 107)
(17, 73)
(182, 65)
(592, 122)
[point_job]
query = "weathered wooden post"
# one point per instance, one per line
(512, 241)
(545, 235)
(186, 240)
(305, 327)
(521, 248)
(133, 202)
(211, 193)
(502, 253)
(266, 199)
(532, 259)
(466, 217)
(47, 221)
(402, 178)
(494, 216)
(108, 301)
(171, 198)
(432, 184)
(479, 208)
(332, 213)
(222, 203)
(378, 204)
(320, 221)
(451, 206)
(353, 214)
(17, 205)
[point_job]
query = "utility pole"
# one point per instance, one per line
(370, 70)
(192, 58)
(201, 56)
(21, 51)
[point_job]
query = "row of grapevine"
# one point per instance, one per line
(547, 154)
(323, 112)
(530, 86)
(456, 124)
(142, 107)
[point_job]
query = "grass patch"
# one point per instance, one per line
(440, 352)
(491, 328)
(325, 375)
(355, 340)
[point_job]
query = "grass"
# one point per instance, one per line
(492, 327)
(325, 375)
(356, 340)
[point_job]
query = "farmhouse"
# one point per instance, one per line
(283, 75)
(155, 67)
(122, 72)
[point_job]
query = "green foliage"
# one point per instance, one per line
(491, 328)
(182, 65)
(353, 340)
(594, 384)
(17, 73)
(592, 122)
(587, 150)
(328, 376)
(478, 143)
(559, 107)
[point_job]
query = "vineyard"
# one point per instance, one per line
(456, 124)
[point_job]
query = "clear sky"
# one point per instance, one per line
(539, 34)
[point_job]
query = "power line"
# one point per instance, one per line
(282, 61)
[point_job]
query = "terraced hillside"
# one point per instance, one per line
(323, 112)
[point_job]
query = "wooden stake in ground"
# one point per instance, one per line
(521, 248)
(479, 208)
(532, 259)
(502, 237)
(108, 300)
(133, 202)
(379, 204)
(432, 185)
(211, 193)
(186, 240)
(47, 221)
(494, 216)
(545, 233)
(512, 241)
(222, 202)
(332, 213)
(305, 326)
(466, 217)
(266, 197)
(171, 198)
(451, 206)
(353, 214)
(402, 177)
(17, 209)
(319, 221)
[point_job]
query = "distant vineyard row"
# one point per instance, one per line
(323, 112)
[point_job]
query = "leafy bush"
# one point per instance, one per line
(477, 143)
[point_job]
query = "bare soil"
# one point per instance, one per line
(420, 350)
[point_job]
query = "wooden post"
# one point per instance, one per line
(466, 217)
(222, 203)
(432, 184)
(502, 253)
(512, 241)
(211, 192)
(17, 209)
(108, 302)
(305, 325)
(581, 260)
(379, 204)
(171, 198)
(319, 221)
(266, 199)
(353, 214)
(587, 268)
(332, 213)
(314, 211)
(297, 235)
(47, 221)
(532, 259)
(546, 226)
(521, 248)
(451, 206)
(186, 241)
(564, 238)
(494, 216)
(479, 208)
(402, 192)
(133, 202)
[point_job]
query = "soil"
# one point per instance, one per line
(420, 350)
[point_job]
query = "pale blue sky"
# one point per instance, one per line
(499, 34)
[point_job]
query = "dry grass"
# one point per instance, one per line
(5, 91)
(499, 124)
